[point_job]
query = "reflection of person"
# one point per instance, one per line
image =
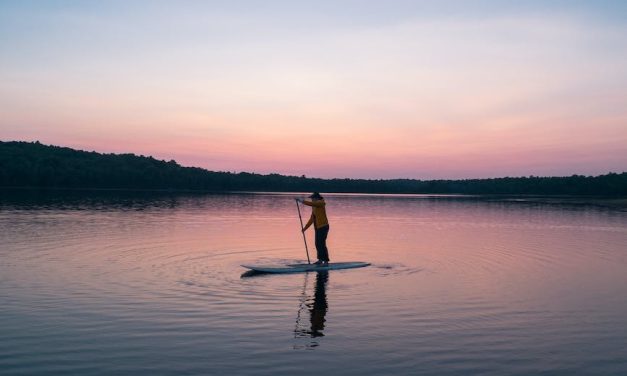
(319, 308)
(321, 226)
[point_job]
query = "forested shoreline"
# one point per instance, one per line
(35, 165)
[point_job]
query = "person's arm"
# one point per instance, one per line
(309, 223)
(314, 203)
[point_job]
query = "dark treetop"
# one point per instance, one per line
(32, 164)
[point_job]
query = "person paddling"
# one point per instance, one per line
(321, 226)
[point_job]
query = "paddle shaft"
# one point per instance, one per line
(303, 232)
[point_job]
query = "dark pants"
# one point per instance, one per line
(321, 243)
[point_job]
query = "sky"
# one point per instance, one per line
(358, 89)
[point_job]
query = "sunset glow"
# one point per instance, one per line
(351, 89)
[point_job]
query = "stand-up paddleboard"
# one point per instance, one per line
(298, 268)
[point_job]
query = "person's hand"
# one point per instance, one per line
(298, 199)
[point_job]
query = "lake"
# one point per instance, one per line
(108, 283)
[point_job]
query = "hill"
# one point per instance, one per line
(32, 164)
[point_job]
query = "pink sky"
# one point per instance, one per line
(506, 93)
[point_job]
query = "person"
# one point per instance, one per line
(321, 226)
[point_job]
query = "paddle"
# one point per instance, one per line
(303, 232)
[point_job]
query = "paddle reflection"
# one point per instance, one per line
(316, 307)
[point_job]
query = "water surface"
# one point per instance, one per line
(115, 283)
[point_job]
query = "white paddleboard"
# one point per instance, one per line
(297, 268)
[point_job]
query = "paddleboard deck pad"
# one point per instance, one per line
(299, 268)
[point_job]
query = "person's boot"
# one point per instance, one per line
(319, 262)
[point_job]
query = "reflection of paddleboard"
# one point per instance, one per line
(296, 268)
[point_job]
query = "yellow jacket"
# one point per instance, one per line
(318, 214)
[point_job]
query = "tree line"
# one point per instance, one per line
(32, 164)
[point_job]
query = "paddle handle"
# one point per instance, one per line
(303, 232)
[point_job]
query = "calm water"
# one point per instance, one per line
(130, 284)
